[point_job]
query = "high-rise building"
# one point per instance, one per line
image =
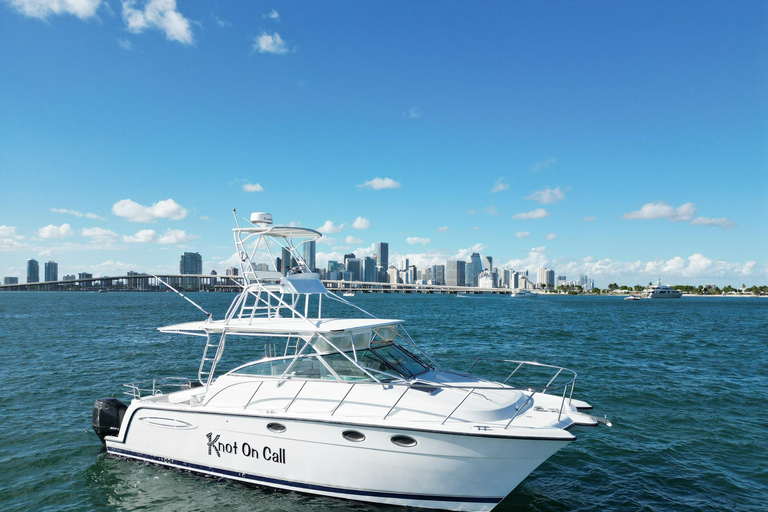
(353, 266)
(369, 269)
(473, 268)
(382, 254)
(546, 278)
(231, 271)
(287, 262)
(393, 275)
(488, 263)
(485, 279)
(309, 255)
(82, 276)
(51, 271)
(191, 263)
(438, 274)
(10, 280)
(33, 271)
(455, 273)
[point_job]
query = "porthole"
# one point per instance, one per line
(404, 441)
(353, 435)
(277, 428)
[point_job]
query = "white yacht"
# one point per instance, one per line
(519, 293)
(344, 406)
(661, 291)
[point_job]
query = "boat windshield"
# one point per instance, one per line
(390, 359)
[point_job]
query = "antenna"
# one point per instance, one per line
(183, 296)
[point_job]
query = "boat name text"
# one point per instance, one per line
(243, 449)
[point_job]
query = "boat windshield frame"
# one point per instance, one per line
(394, 361)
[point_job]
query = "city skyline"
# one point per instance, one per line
(606, 141)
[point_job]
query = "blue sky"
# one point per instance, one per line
(624, 140)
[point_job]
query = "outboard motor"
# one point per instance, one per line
(107, 416)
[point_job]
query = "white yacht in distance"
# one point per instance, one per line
(519, 293)
(661, 291)
(346, 406)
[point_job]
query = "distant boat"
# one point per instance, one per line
(348, 294)
(633, 297)
(661, 291)
(519, 293)
(462, 295)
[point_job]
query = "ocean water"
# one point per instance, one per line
(685, 383)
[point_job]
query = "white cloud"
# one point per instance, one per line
(413, 240)
(442, 229)
(76, 213)
(9, 244)
(252, 187)
(538, 213)
(361, 223)
(662, 210)
(112, 268)
(134, 212)
(683, 213)
(470, 212)
(171, 236)
(499, 186)
(491, 210)
(159, 14)
(273, 14)
(535, 259)
(51, 231)
(547, 196)
(379, 183)
(125, 44)
(270, 43)
(7, 230)
(143, 236)
(352, 240)
(41, 9)
(99, 234)
(413, 113)
(175, 236)
(589, 219)
(523, 234)
(705, 221)
(464, 254)
(551, 236)
(543, 164)
(330, 227)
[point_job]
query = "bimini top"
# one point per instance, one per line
(281, 232)
(279, 325)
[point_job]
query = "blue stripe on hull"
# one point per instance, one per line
(298, 485)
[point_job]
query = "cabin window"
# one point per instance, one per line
(306, 367)
(344, 367)
(403, 361)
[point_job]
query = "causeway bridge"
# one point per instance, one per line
(217, 283)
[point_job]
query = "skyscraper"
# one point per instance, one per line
(352, 265)
(454, 273)
(474, 267)
(545, 278)
(369, 270)
(438, 274)
(33, 271)
(309, 255)
(488, 263)
(51, 271)
(382, 254)
(191, 263)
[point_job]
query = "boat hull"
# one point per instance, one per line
(442, 470)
